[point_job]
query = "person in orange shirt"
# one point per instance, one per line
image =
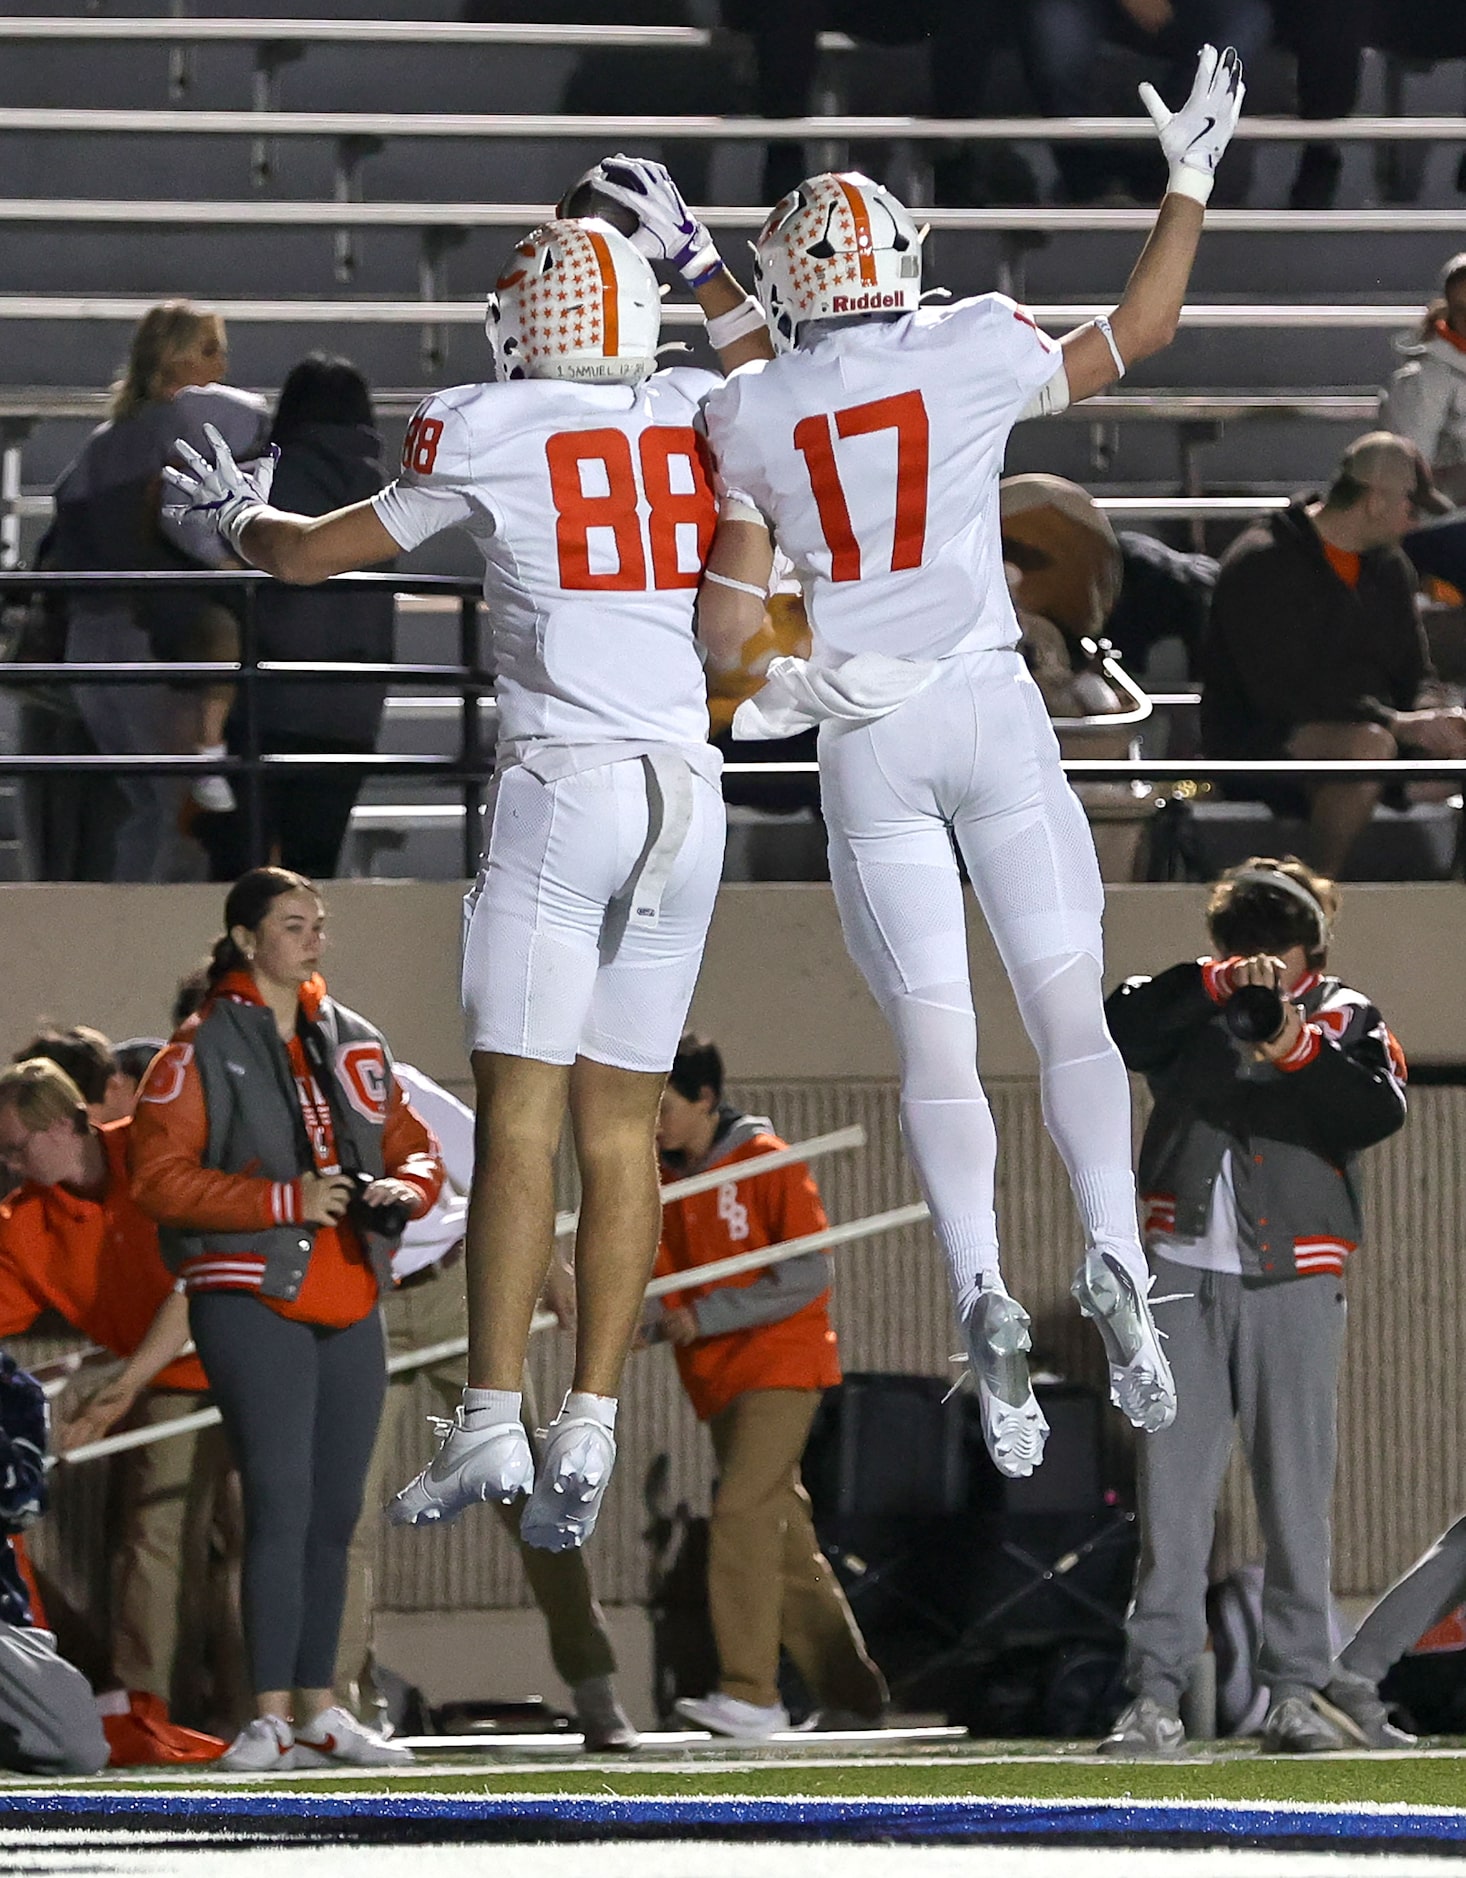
(73, 1242)
(276, 1150)
(755, 1352)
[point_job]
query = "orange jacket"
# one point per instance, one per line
(95, 1262)
(170, 1181)
(793, 1351)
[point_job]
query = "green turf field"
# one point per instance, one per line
(1427, 1780)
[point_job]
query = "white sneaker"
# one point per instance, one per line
(472, 1465)
(1141, 1384)
(998, 1343)
(570, 1483)
(725, 1715)
(337, 1739)
(213, 794)
(263, 1746)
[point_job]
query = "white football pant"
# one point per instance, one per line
(566, 952)
(974, 757)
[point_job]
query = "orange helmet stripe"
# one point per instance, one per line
(864, 241)
(610, 307)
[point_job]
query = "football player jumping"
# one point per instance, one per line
(581, 480)
(871, 450)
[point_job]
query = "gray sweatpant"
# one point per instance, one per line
(300, 1405)
(1432, 1588)
(48, 1719)
(1264, 1360)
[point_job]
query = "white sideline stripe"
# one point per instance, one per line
(439, 1352)
(731, 1172)
(538, 127)
(1363, 315)
(53, 210)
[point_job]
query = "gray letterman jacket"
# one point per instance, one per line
(252, 1104)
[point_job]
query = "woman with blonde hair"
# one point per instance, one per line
(107, 520)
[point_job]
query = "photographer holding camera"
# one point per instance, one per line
(1268, 1078)
(275, 1148)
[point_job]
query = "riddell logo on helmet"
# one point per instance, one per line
(863, 302)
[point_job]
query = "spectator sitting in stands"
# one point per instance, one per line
(1060, 41)
(755, 1351)
(91, 1062)
(73, 1242)
(1315, 648)
(330, 455)
(48, 1721)
(1425, 399)
(1064, 572)
(107, 520)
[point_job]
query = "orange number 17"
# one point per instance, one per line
(906, 415)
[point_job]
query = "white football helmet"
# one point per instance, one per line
(575, 301)
(840, 244)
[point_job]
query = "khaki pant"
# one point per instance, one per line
(175, 1593)
(580, 1646)
(769, 1584)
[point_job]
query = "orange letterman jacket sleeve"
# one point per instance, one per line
(170, 1135)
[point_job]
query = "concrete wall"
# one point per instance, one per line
(777, 986)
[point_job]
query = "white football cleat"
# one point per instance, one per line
(263, 1746)
(472, 1465)
(337, 1739)
(998, 1343)
(1141, 1384)
(570, 1483)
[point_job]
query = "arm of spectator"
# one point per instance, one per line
(778, 1293)
(735, 584)
(166, 1146)
(165, 1338)
(409, 1155)
(1348, 1088)
(1151, 1019)
(19, 1305)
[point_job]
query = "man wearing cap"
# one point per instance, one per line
(1315, 648)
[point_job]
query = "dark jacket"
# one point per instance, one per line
(108, 498)
(23, 1438)
(1290, 644)
(324, 467)
(1293, 1133)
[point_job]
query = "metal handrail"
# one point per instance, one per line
(185, 31)
(51, 211)
(1360, 315)
(601, 127)
(21, 403)
(468, 769)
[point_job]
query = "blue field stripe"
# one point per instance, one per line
(211, 1812)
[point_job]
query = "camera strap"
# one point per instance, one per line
(313, 1045)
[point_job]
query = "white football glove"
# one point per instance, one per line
(219, 499)
(1194, 137)
(667, 230)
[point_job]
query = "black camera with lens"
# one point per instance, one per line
(1254, 1013)
(387, 1218)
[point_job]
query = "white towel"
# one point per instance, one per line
(800, 692)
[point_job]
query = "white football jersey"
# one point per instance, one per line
(875, 457)
(594, 512)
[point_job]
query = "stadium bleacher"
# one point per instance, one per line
(275, 168)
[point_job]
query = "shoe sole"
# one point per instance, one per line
(1141, 1384)
(1013, 1425)
(549, 1523)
